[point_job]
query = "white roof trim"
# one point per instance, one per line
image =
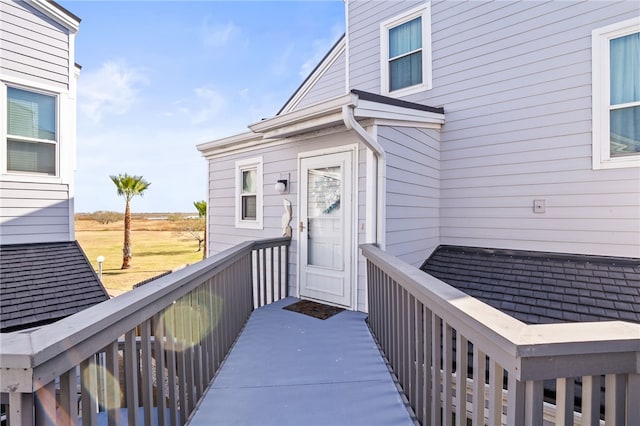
(321, 116)
(333, 55)
(57, 13)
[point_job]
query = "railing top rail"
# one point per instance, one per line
(513, 343)
(105, 322)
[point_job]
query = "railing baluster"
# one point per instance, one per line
(565, 395)
(112, 391)
(273, 265)
(615, 400)
(172, 382)
(479, 388)
(46, 405)
(447, 374)
(131, 377)
(21, 409)
(428, 375)
(496, 374)
(263, 254)
(462, 360)
(412, 352)
(159, 356)
(515, 401)
(591, 400)
(633, 394)
(198, 337)
(420, 362)
(146, 369)
(533, 409)
(69, 398)
(89, 381)
(436, 376)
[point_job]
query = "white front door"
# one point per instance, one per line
(326, 216)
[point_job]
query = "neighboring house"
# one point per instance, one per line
(501, 125)
(44, 275)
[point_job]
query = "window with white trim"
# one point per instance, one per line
(616, 95)
(405, 58)
(31, 132)
(249, 193)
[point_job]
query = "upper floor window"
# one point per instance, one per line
(31, 132)
(406, 52)
(249, 193)
(616, 95)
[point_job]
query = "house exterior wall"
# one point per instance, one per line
(34, 212)
(34, 46)
(330, 85)
(412, 192)
(37, 54)
(278, 158)
(514, 79)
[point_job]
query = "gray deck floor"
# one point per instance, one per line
(291, 369)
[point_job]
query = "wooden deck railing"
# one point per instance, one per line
(436, 337)
(147, 356)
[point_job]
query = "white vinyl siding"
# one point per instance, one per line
(616, 95)
(515, 81)
(330, 85)
(412, 192)
(34, 212)
(33, 45)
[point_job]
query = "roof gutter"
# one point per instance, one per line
(376, 166)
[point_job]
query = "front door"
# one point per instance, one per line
(326, 216)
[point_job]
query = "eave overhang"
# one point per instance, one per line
(58, 13)
(366, 106)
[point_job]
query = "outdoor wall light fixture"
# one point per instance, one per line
(281, 186)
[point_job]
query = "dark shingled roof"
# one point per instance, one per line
(539, 287)
(42, 283)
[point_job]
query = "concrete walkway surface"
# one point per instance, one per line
(292, 369)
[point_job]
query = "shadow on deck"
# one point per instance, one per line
(288, 368)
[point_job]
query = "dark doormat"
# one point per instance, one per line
(314, 309)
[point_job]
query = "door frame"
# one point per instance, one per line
(351, 239)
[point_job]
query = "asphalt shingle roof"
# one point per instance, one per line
(45, 282)
(540, 287)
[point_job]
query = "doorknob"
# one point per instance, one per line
(301, 227)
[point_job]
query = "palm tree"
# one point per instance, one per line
(201, 206)
(128, 187)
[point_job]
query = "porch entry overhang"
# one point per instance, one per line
(364, 105)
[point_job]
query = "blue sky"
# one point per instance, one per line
(160, 77)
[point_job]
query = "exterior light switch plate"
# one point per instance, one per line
(539, 206)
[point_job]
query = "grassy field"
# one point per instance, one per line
(158, 246)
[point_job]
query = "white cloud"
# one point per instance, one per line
(111, 89)
(217, 35)
(204, 106)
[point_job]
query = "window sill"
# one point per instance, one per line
(617, 163)
(249, 225)
(407, 90)
(31, 178)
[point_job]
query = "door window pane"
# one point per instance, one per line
(324, 233)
